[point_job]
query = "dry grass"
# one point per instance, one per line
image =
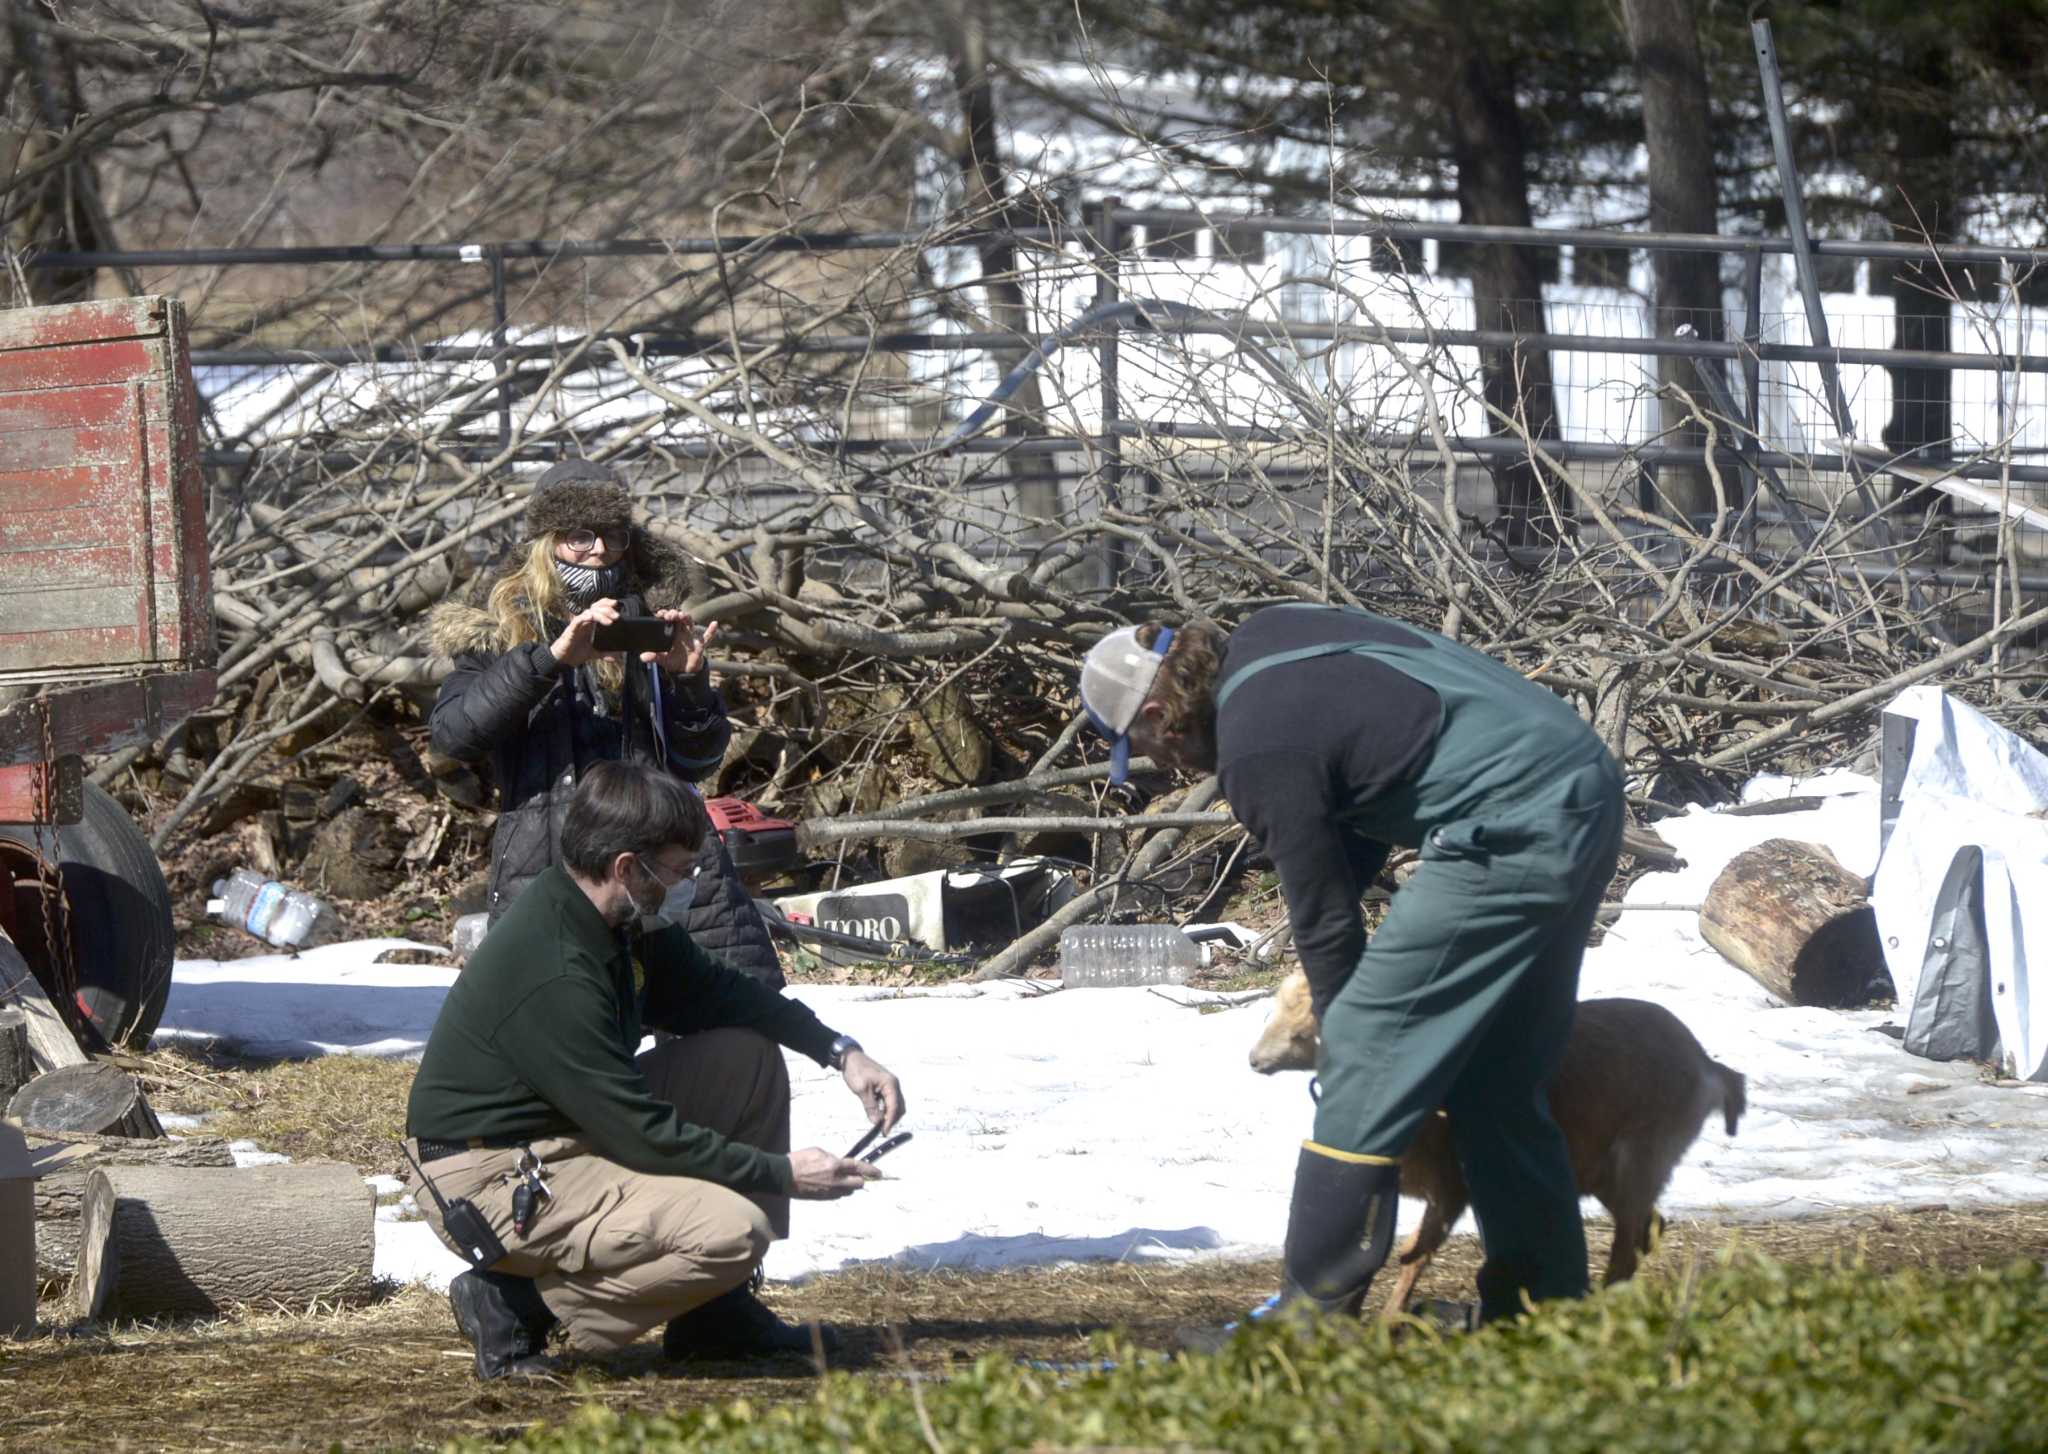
(396, 1374)
(334, 1108)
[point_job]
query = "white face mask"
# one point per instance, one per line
(674, 903)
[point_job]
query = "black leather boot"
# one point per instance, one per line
(1340, 1227)
(737, 1324)
(505, 1320)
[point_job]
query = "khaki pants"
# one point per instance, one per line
(617, 1253)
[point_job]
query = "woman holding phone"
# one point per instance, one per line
(542, 690)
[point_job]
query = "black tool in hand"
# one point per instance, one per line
(886, 1147)
(864, 1142)
(634, 633)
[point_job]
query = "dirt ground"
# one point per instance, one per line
(395, 1374)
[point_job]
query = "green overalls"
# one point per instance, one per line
(1464, 998)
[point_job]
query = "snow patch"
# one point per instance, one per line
(248, 1153)
(1125, 1123)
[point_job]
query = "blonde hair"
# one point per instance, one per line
(529, 595)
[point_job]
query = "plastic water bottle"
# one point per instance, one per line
(1106, 956)
(270, 910)
(468, 932)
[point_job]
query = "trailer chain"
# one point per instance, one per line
(50, 871)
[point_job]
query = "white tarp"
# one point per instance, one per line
(1972, 784)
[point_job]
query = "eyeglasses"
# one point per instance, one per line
(587, 539)
(648, 867)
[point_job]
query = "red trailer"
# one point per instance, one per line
(106, 638)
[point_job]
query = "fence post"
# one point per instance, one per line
(1817, 320)
(1107, 241)
(500, 362)
(1752, 378)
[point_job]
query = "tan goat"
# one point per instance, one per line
(1633, 1092)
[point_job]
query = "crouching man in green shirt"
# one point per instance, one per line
(665, 1176)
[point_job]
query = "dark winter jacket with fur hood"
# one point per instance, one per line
(540, 725)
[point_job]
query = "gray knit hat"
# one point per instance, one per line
(579, 494)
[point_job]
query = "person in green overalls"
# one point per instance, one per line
(1337, 734)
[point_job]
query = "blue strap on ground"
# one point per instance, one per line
(1256, 1313)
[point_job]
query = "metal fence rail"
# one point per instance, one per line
(1123, 379)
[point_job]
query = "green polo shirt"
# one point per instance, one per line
(538, 1035)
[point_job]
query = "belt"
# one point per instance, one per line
(432, 1150)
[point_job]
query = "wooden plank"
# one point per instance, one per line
(60, 785)
(110, 565)
(49, 1039)
(186, 483)
(87, 605)
(75, 628)
(103, 559)
(58, 371)
(103, 716)
(51, 500)
(68, 323)
(37, 434)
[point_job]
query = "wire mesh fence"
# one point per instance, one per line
(1264, 377)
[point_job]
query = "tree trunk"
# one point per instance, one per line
(94, 1098)
(1794, 920)
(67, 1161)
(1923, 206)
(1663, 38)
(1491, 152)
(60, 210)
(964, 31)
(156, 1240)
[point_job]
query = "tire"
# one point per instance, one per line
(120, 917)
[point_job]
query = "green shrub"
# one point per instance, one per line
(1751, 1355)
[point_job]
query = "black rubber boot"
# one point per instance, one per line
(506, 1322)
(738, 1325)
(1446, 1315)
(1340, 1228)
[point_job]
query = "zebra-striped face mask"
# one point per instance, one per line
(587, 583)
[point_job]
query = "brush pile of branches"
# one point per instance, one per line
(902, 627)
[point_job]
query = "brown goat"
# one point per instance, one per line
(1633, 1092)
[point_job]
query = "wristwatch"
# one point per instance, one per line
(842, 1046)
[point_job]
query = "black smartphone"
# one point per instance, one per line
(635, 633)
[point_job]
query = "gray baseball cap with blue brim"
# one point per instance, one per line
(1116, 678)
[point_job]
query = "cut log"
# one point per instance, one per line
(164, 1240)
(17, 1061)
(94, 1097)
(1794, 920)
(63, 1163)
(49, 1037)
